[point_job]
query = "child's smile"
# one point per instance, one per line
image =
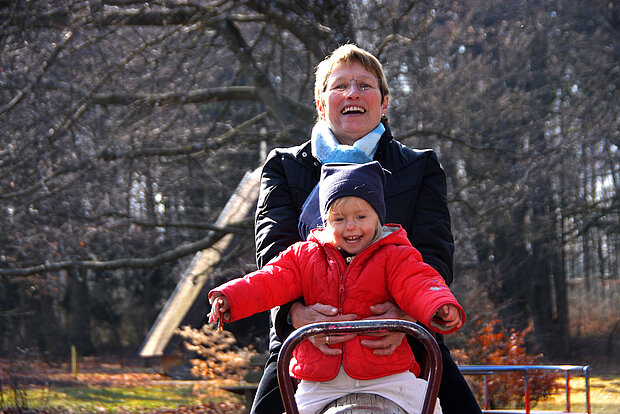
(353, 222)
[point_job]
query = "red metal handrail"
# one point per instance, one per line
(433, 363)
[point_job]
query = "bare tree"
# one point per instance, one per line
(126, 125)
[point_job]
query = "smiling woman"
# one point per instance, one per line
(351, 96)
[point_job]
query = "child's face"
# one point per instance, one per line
(353, 222)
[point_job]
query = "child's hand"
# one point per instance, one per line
(447, 318)
(220, 308)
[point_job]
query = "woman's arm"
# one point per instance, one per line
(276, 219)
(430, 231)
(277, 213)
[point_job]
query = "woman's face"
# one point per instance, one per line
(352, 103)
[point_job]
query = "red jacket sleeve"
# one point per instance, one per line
(277, 283)
(418, 288)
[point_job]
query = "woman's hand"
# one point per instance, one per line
(302, 315)
(386, 343)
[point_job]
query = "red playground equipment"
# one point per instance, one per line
(431, 371)
(431, 366)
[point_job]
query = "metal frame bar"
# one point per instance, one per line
(486, 370)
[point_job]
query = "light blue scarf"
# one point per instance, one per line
(327, 149)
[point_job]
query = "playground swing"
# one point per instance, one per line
(363, 403)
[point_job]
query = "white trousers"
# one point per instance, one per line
(405, 389)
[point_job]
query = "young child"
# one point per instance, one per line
(351, 263)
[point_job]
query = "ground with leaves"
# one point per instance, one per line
(96, 374)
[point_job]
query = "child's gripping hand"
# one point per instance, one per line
(220, 309)
(447, 317)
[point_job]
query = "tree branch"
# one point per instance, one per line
(109, 154)
(132, 263)
(460, 141)
(225, 93)
(121, 13)
(308, 31)
(44, 67)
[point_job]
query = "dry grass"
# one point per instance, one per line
(604, 396)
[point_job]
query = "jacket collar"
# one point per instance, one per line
(385, 139)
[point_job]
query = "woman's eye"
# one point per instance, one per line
(365, 86)
(339, 87)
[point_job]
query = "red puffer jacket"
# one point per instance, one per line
(387, 270)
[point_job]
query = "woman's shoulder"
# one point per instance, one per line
(409, 154)
(403, 161)
(294, 162)
(391, 148)
(296, 151)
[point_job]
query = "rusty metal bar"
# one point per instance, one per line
(526, 384)
(375, 326)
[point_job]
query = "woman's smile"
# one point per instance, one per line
(353, 110)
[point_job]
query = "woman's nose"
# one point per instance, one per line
(353, 88)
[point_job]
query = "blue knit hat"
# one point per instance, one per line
(365, 181)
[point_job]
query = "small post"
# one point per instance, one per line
(527, 392)
(1, 388)
(586, 373)
(568, 391)
(486, 392)
(74, 361)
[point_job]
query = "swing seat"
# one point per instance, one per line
(362, 404)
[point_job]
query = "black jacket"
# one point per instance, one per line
(415, 197)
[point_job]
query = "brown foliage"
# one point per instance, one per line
(218, 355)
(494, 345)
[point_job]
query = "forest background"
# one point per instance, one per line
(126, 125)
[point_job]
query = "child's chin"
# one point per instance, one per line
(353, 251)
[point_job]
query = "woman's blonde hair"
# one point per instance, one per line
(348, 54)
(328, 237)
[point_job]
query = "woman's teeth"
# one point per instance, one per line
(353, 109)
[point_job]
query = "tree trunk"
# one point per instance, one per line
(77, 303)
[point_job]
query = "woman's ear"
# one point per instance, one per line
(320, 109)
(384, 104)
